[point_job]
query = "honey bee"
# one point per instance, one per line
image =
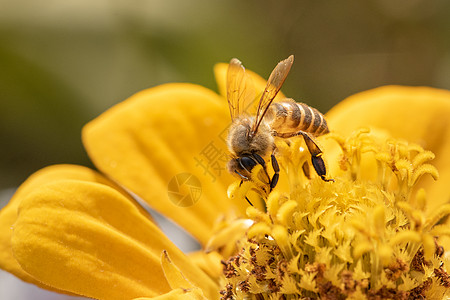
(251, 139)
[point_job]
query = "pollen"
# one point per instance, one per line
(365, 236)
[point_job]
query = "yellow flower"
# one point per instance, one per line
(73, 230)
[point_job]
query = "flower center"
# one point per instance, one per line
(365, 236)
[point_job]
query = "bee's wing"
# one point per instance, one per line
(276, 80)
(240, 89)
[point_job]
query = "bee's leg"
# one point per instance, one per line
(316, 153)
(276, 169)
(316, 156)
(259, 159)
(272, 182)
(262, 162)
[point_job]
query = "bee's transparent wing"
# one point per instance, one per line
(240, 89)
(274, 83)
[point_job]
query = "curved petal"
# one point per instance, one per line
(183, 294)
(8, 215)
(87, 238)
(416, 114)
(152, 143)
(208, 262)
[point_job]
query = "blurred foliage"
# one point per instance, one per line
(64, 62)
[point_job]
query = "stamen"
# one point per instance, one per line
(362, 237)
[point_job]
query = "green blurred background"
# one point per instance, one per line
(64, 62)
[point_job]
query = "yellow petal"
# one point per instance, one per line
(159, 133)
(226, 239)
(183, 294)
(87, 238)
(174, 276)
(8, 214)
(208, 262)
(416, 114)
(178, 279)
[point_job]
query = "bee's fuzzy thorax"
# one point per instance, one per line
(240, 142)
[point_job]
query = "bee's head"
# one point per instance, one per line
(242, 166)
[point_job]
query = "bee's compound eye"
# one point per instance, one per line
(247, 163)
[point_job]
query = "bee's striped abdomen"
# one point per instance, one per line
(289, 116)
